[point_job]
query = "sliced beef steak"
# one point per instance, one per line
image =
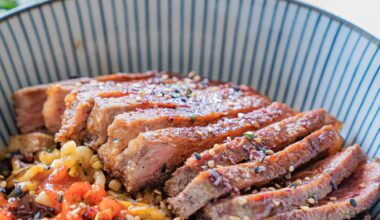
(214, 183)
(318, 183)
(139, 165)
(354, 195)
(171, 96)
(251, 146)
(223, 102)
(79, 103)
(125, 77)
(54, 106)
(30, 143)
(29, 103)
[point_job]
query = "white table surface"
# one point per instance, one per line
(363, 13)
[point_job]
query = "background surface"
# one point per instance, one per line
(364, 13)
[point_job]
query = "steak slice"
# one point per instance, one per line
(125, 77)
(79, 103)
(139, 165)
(273, 137)
(214, 183)
(218, 104)
(171, 96)
(317, 185)
(29, 103)
(30, 143)
(355, 195)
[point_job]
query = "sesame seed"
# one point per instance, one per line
(211, 163)
(298, 182)
(256, 124)
(210, 129)
(291, 168)
(307, 178)
(200, 133)
(197, 156)
(197, 78)
(305, 208)
(138, 98)
(211, 152)
(276, 203)
(271, 188)
(234, 217)
(288, 176)
(157, 192)
(240, 115)
(277, 185)
(277, 127)
(311, 201)
(245, 218)
(361, 185)
(242, 200)
(333, 198)
(258, 140)
(269, 152)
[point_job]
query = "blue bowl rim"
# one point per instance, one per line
(21, 9)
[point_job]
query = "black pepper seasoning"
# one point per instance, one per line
(334, 186)
(60, 198)
(163, 168)
(197, 156)
(353, 202)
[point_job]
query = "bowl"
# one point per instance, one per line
(287, 50)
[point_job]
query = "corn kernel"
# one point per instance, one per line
(83, 155)
(47, 158)
(99, 177)
(115, 185)
(74, 172)
(68, 148)
(95, 162)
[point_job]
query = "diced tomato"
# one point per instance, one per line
(90, 213)
(110, 204)
(59, 175)
(3, 200)
(95, 194)
(76, 192)
(105, 215)
(5, 215)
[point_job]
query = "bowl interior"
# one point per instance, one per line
(289, 51)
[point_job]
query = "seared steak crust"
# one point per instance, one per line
(223, 102)
(169, 96)
(273, 137)
(355, 195)
(80, 102)
(214, 183)
(139, 166)
(317, 185)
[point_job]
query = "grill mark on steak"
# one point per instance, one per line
(214, 183)
(273, 137)
(317, 186)
(79, 103)
(139, 165)
(223, 103)
(355, 195)
(172, 96)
